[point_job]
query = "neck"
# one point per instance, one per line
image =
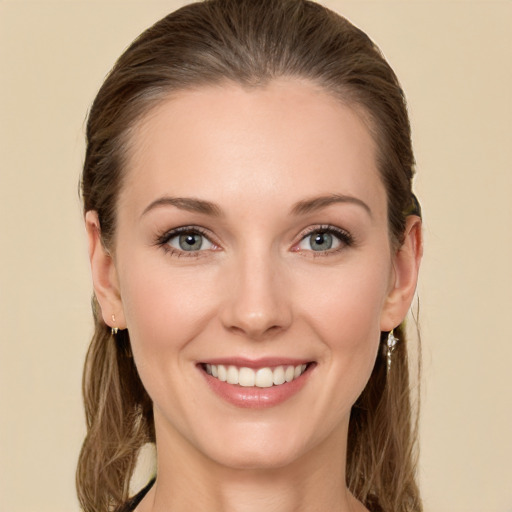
(188, 480)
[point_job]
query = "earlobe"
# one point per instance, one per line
(406, 266)
(104, 275)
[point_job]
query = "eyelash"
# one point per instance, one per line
(344, 237)
(163, 241)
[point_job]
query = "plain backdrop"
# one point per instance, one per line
(454, 61)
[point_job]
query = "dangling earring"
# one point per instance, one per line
(114, 330)
(390, 347)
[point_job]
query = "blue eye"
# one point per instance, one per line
(324, 240)
(189, 241)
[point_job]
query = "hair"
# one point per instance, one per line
(248, 42)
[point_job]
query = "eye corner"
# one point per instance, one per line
(336, 239)
(173, 242)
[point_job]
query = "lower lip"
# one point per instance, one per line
(254, 397)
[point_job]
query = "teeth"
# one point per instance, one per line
(264, 378)
(261, 378)
(222, 372)
(232, 375)
(246, 377)
(278, 376)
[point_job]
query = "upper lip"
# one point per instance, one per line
(263, 362)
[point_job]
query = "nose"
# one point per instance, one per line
(258, 304)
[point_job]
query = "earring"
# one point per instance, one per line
(114, 330)
(390, 347)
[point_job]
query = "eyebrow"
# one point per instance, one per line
(185, 203)
(317, 203)
(301, 208)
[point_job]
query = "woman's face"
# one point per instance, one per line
(252, 233)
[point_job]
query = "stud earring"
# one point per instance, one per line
(114, 330)
(390, 347)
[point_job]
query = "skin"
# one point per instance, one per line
(257, 290)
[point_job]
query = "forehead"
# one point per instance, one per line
(289, 137)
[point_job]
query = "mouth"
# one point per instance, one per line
(263, 377)
(256, 384)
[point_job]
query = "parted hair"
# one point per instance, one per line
(248, 42)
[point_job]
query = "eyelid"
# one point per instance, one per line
(345, 238)
(163, 240)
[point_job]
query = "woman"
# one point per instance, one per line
(254, 244)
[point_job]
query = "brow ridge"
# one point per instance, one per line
(300, 208)
(185, 203)
(317, 203)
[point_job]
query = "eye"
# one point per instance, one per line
(319, 241)
(185, 240)
(326, 239)
(190, 241)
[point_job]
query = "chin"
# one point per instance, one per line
(257, 449)
(256, 459)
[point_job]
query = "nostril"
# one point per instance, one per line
(254, 332)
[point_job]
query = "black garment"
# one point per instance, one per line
(132, 503)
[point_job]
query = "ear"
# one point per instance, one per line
(406, 264)
(104, 275)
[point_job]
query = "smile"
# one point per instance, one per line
(265, 377)
(257, 384)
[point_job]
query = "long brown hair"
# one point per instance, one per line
(249, 42)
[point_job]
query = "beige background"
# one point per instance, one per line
(454, 60)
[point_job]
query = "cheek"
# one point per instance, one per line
(344, 309)
(164, 309)
(348, 300)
